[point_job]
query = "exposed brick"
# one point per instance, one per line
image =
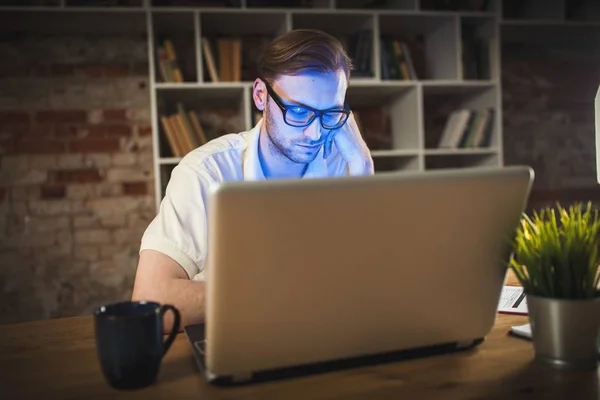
(116, 71)
(49, 224)
(53, 191)
(94, 145)
(93, 71)
(115, 114)
(14, 163)
(86, 253)
(14, 117)
(41, 131)
(128, 174)
(98, 160)
(62, 69)
(135, 188)
(115, 220)
(66, 131)
(70, 161)
(93, 236)
(7, 145)
(118, 130)
(145, 130)
(140, 69)
(41, 146)
(85, 221)
(61, 116)
(49, 207)
(85, 175)
(124, 159)
(43, 161)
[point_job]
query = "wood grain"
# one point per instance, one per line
(57, 359)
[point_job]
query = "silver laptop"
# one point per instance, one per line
(305, 276)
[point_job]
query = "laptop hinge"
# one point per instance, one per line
(243, 377)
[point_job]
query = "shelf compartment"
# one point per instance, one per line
(104, 3)
(173, 44)
(388, 115)
(296, 4)
(465, 160)
(354, 30)
(30, 3)
(462, 6)
(533, 9)
(236, 42)
(74, 22)
(198, 4)
(396, 163)
(408, 5)
(479, 49)
(219, 112)
(432, 41)
(478, 127)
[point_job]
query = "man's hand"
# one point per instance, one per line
(352, 148)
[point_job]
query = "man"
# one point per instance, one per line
(307, 131)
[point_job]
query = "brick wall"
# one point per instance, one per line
(76, 159)
(76, 179)
(548, 109)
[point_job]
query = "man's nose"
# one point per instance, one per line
(313, 131)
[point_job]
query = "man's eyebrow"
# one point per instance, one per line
(297, 103)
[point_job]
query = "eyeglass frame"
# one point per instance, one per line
(316, 113)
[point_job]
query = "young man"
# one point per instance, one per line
(307, 131)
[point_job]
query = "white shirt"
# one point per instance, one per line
(179, 230)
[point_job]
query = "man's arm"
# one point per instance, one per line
(351, 147)
(159, 278)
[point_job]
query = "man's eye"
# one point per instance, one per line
(298, 110)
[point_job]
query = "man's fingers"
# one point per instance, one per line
(327, 145)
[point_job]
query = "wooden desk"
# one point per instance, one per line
(57, 359)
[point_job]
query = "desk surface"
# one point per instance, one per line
(57, 359)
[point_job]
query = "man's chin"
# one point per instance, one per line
(304, 157)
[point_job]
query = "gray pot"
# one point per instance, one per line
(565, 333)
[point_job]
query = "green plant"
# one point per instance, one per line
(557, 256)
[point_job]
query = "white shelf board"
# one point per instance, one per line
(549, 22)
(201, 85)
(74, 9)
(169, 160)
(395, 153)
(460, 152)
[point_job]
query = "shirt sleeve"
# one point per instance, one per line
(179, 230)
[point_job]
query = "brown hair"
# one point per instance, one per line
(301, 50)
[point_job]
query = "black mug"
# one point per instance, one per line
(129, 341)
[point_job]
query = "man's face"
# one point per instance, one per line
(317, 90)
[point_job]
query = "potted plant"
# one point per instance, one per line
(555, 258)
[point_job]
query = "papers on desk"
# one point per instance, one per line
(513, 300)
(521, 331)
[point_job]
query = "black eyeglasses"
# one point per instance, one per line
(300, 116)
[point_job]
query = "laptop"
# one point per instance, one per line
(308, 276)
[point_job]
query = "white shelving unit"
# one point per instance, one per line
(417, 109)
(402, 100)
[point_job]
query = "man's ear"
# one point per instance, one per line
(259, 94)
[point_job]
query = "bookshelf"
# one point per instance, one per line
(449, 63)
(393, 109)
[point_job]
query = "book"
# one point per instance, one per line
(513, 300)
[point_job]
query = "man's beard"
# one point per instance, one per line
(278, 148)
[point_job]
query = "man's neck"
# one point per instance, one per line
(274, 164)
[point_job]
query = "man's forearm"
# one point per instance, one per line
(160, 279)
(188, 297)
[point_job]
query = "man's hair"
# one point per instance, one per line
(303, 50)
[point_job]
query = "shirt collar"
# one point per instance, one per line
(252, 169)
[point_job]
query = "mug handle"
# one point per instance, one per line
(175, 329)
